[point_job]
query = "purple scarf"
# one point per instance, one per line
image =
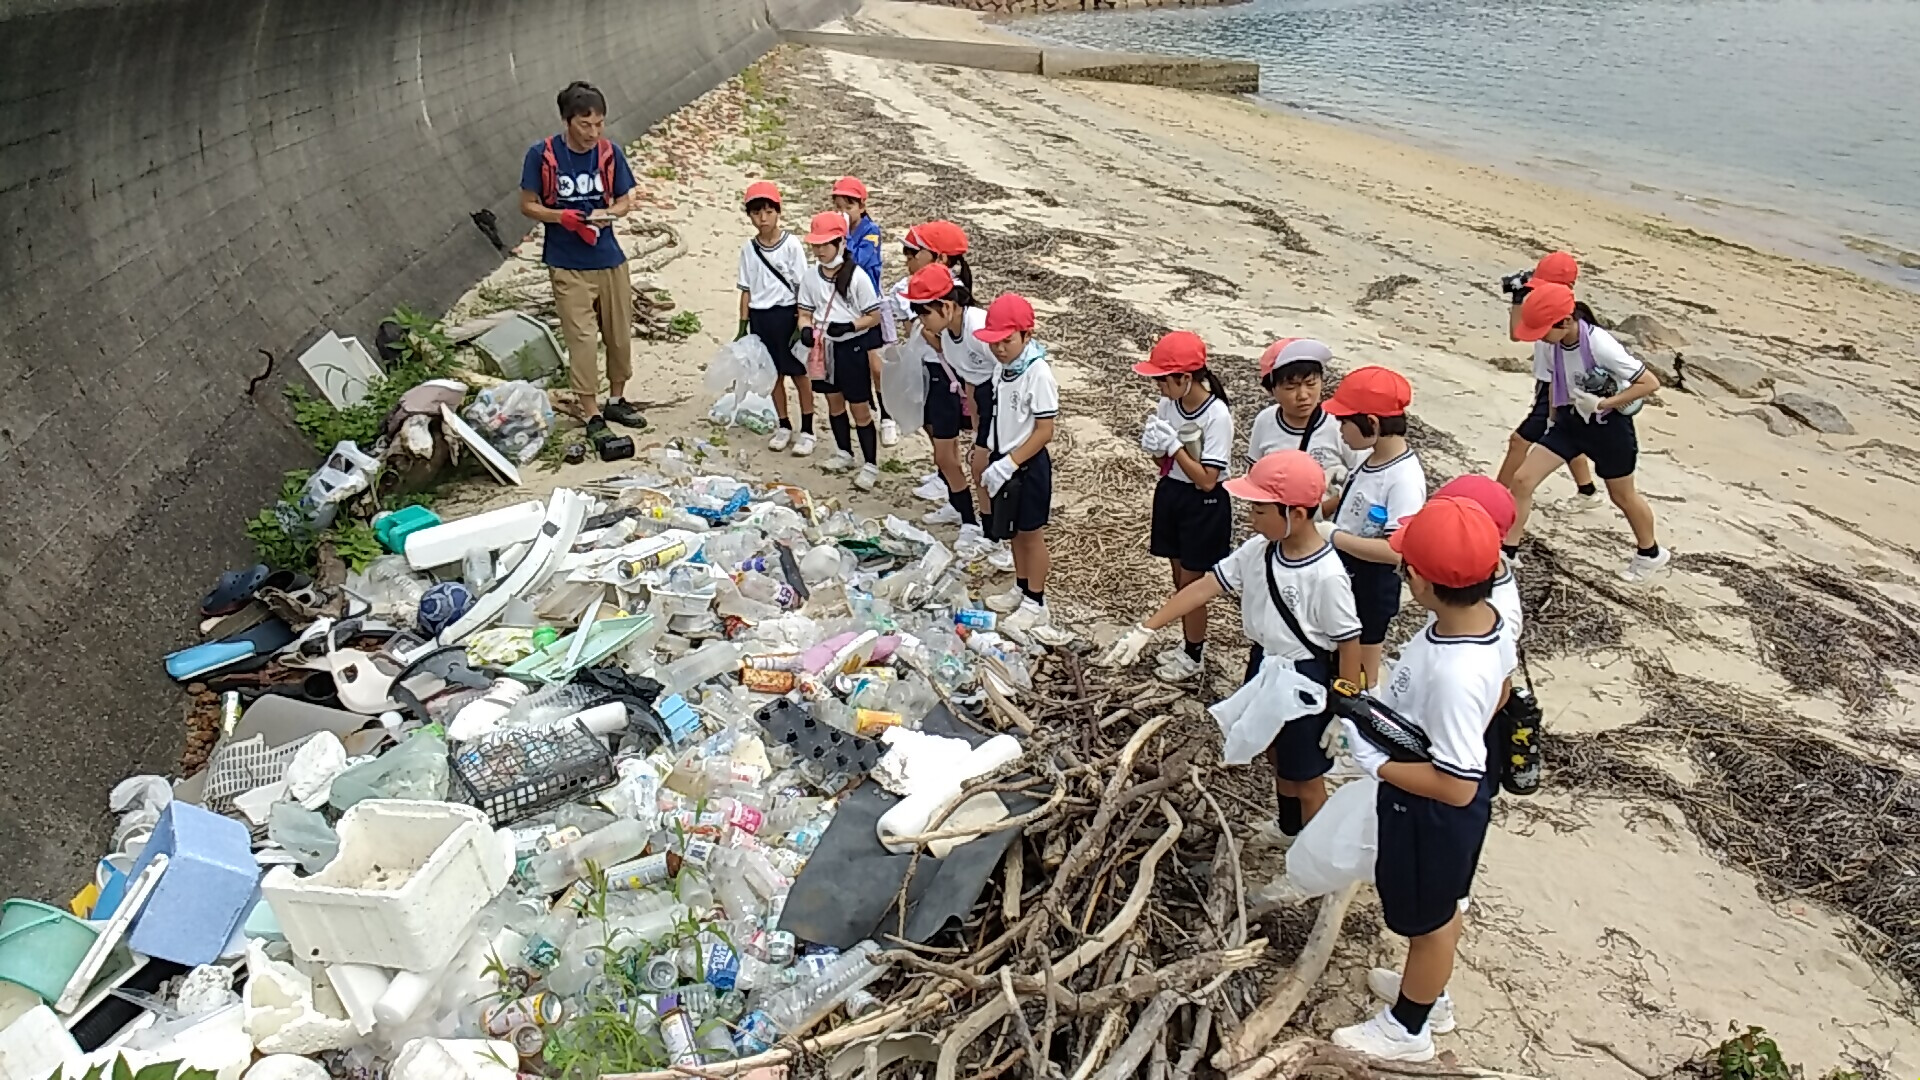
(1562, 394)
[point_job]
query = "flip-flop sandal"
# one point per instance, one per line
(234, 590)
(256, 643)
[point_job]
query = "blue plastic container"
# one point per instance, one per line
(209, 885)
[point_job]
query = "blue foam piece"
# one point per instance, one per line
(208, 887)
(679, 717)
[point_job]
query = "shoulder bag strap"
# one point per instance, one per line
(1313, 422)
(774, 270)
(1286, 613)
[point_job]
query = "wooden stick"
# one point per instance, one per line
(1147, 1030)
(1265, 1022)
(1190, 1057)
(1296, 1056)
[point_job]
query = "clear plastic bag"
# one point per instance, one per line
(416, 769)
(756, 366)
(515, 417)
(1337, 847)
(903, 384)
(305, 834)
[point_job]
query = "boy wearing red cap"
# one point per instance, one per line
(1191, 433)
(1433, 814)
(1293, 370)
(863, 247)
(1389, 486)
(1556, 268)
(1026, 400)
(839, 320)
(960, 371)
(1285, 576)
(1592, 415)
(772, 265)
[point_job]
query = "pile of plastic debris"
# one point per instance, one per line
(534, 798)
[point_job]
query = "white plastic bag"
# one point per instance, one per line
(1337, 847)
(756, 365)
(1255, 713)
(722, 411)
(724, 369)
(903, 385)
(514, 416)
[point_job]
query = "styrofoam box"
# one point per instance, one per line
(403, 891)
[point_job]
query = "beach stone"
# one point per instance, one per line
(1649, 332)
(1821, 416)
(1743, 377)
(1775, 420)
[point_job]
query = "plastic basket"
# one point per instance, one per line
(516, 774)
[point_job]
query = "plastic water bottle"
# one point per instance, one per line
(1376, 525)
(554, 870)
(797, 1007)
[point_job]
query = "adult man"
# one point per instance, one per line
(577, 183)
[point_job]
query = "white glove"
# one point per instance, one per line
(1327, 529)
(1159, 439)
(1336, 477)
(1366, 757)
(1128, 648)
(997, 475)
(1333, 738)
(1585, 404)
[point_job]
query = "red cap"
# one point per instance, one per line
(1287, 477)
(939, 237)
(827, 227)
(1006, 316)
(1374, 391)
(763, 189)
(1491, 494)
(851, 187)
(1450, 542)
(1293, 350)
(1546, 306)
(932, 282)
(1178, 352)
(1558, 267)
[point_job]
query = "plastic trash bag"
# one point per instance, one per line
(1255, 713)
(1337, 847)
(756, 365)
(416, 769)
(724, 369)
(515, 417)
(723, 410)
(903, 384)
(304, 834)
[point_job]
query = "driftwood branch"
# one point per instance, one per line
(1243, 1056)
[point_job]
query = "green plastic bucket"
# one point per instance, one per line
(41, 947)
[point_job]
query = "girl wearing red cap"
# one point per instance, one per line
(839, 320)
(1592, 415)
(863, 247)
(1285, 576)
(1389, 486)
(960, 370)
(772, 265)
(1191, 433)
(1019, 478)
(1557, 268)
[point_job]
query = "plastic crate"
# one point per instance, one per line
(516, 774)
(402, 893)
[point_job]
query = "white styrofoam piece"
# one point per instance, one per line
(217, 1042)
(341, 368)
(497, 464)
(408, 881)
(565, 511)
(359, 986)
(286, 1067)
(453, 1059)
(449, 541)
(35, 1045)
(282, 1015)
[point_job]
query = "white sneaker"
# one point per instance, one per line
(946, 515)
(803, 445)
(889, 433)
(782, 438)
(1385, 984)
(1640, 567)
(1034, 622)
(932, 488)
(1001, 557)
(1172, 654)
(1178, 669)
(869, 475)
(1590, 498)
(1384, 1038)
(1008, 602)
(841, 461)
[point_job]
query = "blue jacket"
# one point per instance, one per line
(863, 245)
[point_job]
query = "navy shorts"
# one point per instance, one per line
(776, 328)
(1295, 752)
(1535, 425)
(1036, 492)
(852, 375)
(1427, 856)
(1612, 445)
(1191, 526)
(1376, 596)
(946, 417)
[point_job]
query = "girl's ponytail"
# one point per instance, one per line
(1214, 386)
(843, 274)
(962, 274)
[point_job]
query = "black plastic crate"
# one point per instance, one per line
(514, 775)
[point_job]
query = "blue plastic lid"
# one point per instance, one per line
(1376, 512)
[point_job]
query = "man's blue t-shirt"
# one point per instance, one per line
(578, 187)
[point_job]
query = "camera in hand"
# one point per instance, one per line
(1392, 734)
(1515, 284)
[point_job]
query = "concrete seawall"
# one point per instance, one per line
(187, 189)
(1152, 69)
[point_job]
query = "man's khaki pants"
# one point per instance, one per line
(590, 300)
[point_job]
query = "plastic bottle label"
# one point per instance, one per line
(676, 1030)
(638, 874)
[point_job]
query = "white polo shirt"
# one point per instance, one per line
(1449, 687)
(1608, 354)
(1019, 401)
(1400, 485)
(1216, 433)
(829, 307)
(1506, 601)
(1316, 589)
(1270, 432)
(762, 286)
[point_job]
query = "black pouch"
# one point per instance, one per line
(1005, 506)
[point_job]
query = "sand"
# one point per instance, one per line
(1595, 919)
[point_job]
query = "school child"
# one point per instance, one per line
(960, 370)
(1433, 814)
(1388, 487)
(1597, 422)
(925, 244)
(1558, 268)
(1296, 606)
(772, 265)
(863, 247)
(1191, 433)
(1293, 371)
(839, 313)
(1019, 476)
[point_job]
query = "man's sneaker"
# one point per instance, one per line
(1385, 984)
(841, 461)
(868, 476)
(597, 428)
(782, 438)
(1384, 1038)
(1001, 557)
(1641, 567)
(1008, 602)
(1034, 622)
(889, 433)
(624, 414)
(932, 488)
(946, 515)
(1178, 668)
(803, 444)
